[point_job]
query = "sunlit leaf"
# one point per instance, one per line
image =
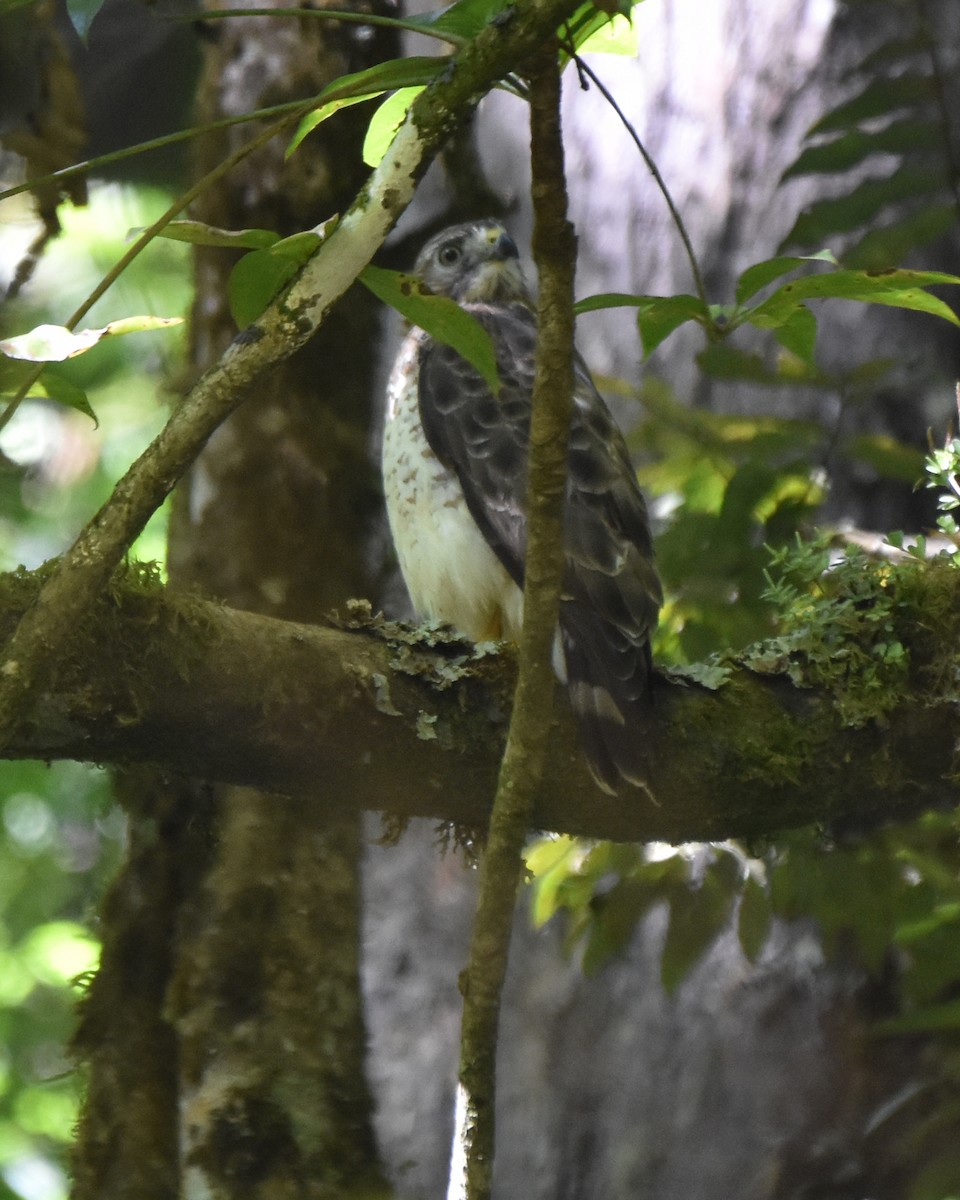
(385, 122)
(198, 233)
(365, 85)
(550, 861)
(55, 343)
(618, 35)
(59, 951)
(658, 316)
(442, 318)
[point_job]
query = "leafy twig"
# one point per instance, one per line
(168, 139)
(147, 236)
(522, 766)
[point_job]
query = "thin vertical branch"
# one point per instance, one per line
(522, 766)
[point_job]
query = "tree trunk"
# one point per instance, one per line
(231, 938)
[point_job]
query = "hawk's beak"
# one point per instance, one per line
(503, 245)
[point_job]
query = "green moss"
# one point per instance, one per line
(862, 629)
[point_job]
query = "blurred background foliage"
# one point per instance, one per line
(60, 834)
(724, 490)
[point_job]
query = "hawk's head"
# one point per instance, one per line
(473, 263)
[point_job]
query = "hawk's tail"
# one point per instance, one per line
(608, 681)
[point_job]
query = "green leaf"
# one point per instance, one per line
(896, 288)
(550, 861)
(612, 300)
(798, 334)
(440, 316)
(65, 392)
(385, 122)
(617, 35)
(465, 19)
(364, 85)
(8, 6)
(662, 315)
(198, 233)
(254, 281)
(658, 316)
(755, 278)
(261, 275)
(81, 14)
(55, 343)
(878, 99)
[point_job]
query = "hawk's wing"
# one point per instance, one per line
(611, 594)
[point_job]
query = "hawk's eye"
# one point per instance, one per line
(449, 255)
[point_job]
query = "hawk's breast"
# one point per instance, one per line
(450, 571)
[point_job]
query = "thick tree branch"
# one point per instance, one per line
(417, 727)
(84, 571)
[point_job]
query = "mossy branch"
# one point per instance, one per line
(393, 720)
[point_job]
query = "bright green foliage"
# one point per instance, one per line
(896, 110)
(943, 474)
(366, 85)
(56, 343)
(59, 842)
(59, 837)
(731, 485)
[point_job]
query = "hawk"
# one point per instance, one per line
(455, 478)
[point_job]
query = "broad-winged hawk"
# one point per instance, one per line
(455, 477)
